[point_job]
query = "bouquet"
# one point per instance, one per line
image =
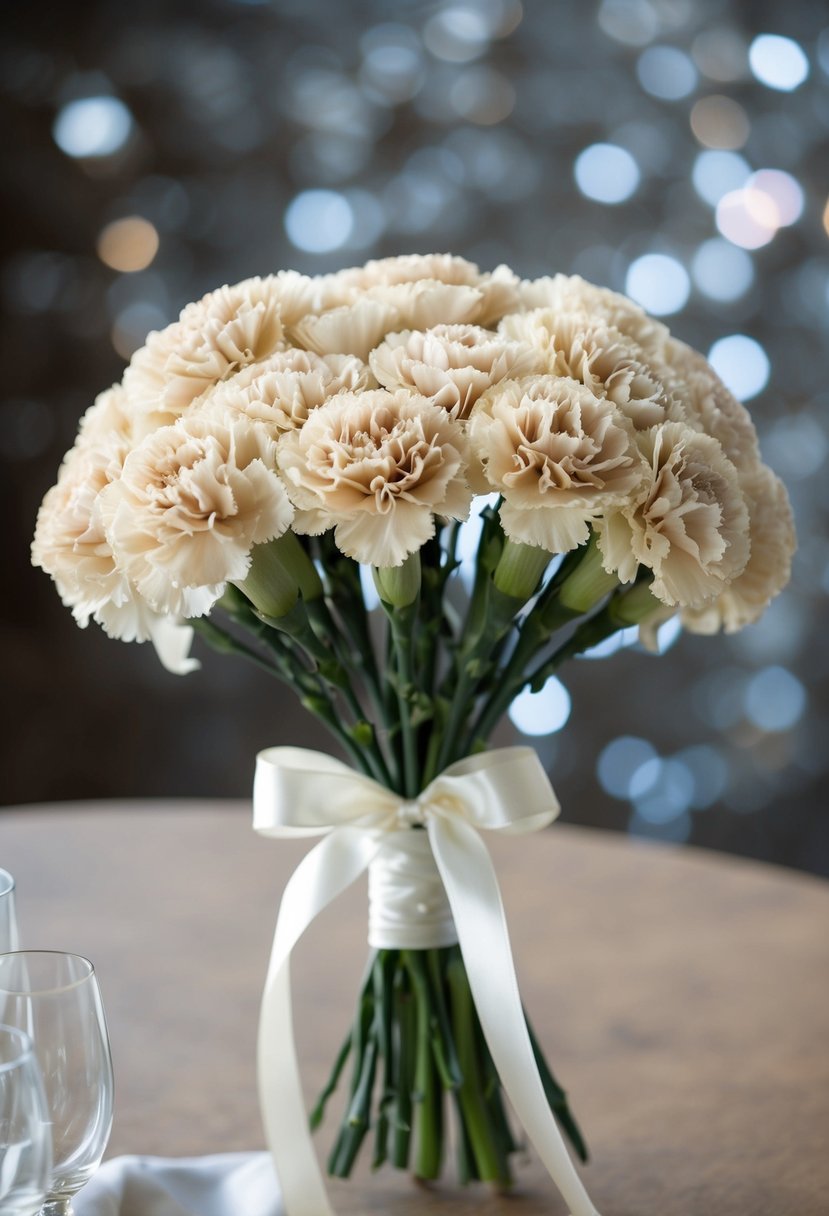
(294, 470)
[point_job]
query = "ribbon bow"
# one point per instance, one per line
(298, 792)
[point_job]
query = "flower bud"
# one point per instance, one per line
(588, 583)
(269, 586)
(399, 586)
(520, 568)
(636, 605)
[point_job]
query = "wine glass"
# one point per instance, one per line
(25, 1141)
(54, 997)
(8, 920)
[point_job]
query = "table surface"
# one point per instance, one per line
(681, 998)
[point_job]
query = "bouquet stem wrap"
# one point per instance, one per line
(298, 792)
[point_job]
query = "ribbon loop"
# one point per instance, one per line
(306, 793)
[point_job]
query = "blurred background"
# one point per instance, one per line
(670, 149)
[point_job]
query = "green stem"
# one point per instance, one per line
(404, 1069)
(427, 1092)
(383, 979)
(401, 621)
(490, 1159)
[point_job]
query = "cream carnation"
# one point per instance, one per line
(192, 501)
(281, 392)
(557, 453)
(573, 294)
(707, 405)
(377, 466)
(690, 523)
(600, 357)
(492, 295)
(108, 418)
(409, 268)
(773, 542)
(213, 338)
(451, 365)
(70, 544)
(350, 329)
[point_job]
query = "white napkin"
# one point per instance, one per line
(229, 1184)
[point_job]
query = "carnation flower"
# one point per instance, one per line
(71, 546)
(213, 338)
(495, 293)
(572, 294)
(350, 329)
(377, 466)
(773, 542)
(707, 405)
(690, 523)
(599, 356)
(192, 501)
(281, 392)
(409, 268)
(107, 418)
(452, 365)
(69, 542)
(557, 453)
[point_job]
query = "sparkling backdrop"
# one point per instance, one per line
(676, 151)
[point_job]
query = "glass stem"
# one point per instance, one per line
(57, 1207)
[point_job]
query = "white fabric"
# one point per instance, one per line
(230, 1184)
(407, 904)
(303, 793)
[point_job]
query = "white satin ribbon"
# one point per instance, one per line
(305, 793)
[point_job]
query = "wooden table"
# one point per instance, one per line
(682, 998)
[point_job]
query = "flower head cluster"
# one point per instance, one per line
(375, 403)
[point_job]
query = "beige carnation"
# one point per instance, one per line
(773, 542)
(192, 501)
(599, 356)
(213, 338)
(573, 294)
(377, 466)
(707, 405)
(281, 392)
(557, 453)
(108, 418)
(690, 523)
(350, 329)
(408, 268)
(69, 543)
(496, 293)
(451, 365)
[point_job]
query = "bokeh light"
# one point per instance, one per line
(748, 217)
(129, 244)
(774, 699)
(659, 283)
(666, 72)
(606, 173)
(720, 53)
(318, 221)
(784, 190)
(778, 62)
(92, 127)
(720, 122)
(620, 761)
(716, 173)
(543, 712)
(721, 270)
(742, 365)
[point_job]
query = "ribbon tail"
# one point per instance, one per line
(475, 899)
(332, 866)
